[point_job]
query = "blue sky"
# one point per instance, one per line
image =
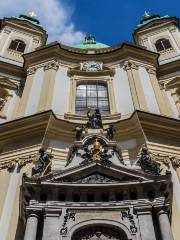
(113, 21)
(68, 21)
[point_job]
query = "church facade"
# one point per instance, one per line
(90, 134)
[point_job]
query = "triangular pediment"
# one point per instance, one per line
(98, 173)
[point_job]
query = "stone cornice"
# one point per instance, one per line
(171, 67)
(106, 55)
(138, 124)
(11, 69)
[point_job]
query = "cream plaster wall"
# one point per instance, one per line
(122, 92)
(61, 94)
(148, 91)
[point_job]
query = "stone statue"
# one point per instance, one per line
(110, 132)
(43, 161)
(79, 132)
(87, 156)
(147, 164)
(94, 120)
(73, 150)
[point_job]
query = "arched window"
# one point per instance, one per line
(17, 45)
(93, 94)
(3, 97)
(163, 44)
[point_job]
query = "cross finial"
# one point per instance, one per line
(32, 14)
(146, 14)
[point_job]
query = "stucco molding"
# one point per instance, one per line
(32, 70)
(128, 65)
(54, 64)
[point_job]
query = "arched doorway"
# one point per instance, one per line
(99, 232)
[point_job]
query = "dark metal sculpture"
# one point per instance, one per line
(79, 132)
(43, 161)
(73, 150)
(147, 164)
(110, 132)
(87, 156)
(94, 120)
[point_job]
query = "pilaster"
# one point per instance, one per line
(72, 101)
(158, 94)
(26, 92)
(144, 214)
(51, 230)
(111, 97)
(47, 90)
(135, 85)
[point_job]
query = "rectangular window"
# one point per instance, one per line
(92, 94)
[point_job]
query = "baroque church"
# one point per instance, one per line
(90, 134)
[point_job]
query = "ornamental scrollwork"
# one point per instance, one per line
(69, 215)
(167, 160)
(51, 65)
(130, 217)
(31, 70)
(130, 65)
(20, 162)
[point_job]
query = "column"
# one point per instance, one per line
(51, 230)
(135, 85)
(31, 226)
(146, 222)
(164, 225)
(45, 102)
(158, 94)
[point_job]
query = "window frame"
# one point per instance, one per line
(75, 79)
(163, 47)
(18, 46)
(101, 102)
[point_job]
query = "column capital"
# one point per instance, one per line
(48, 212)
(128, 65)
(143, 210)
(31, 70)
(151, 70)
(30, 212)
(161, 209)
(54, 64)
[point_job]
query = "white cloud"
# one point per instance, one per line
(54, 15)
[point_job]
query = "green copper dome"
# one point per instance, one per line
(90, 43)
(147, 18)
(29, 19)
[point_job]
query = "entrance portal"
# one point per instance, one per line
(99, 232)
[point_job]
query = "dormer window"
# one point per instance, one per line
(163, 44)
(17, 45)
